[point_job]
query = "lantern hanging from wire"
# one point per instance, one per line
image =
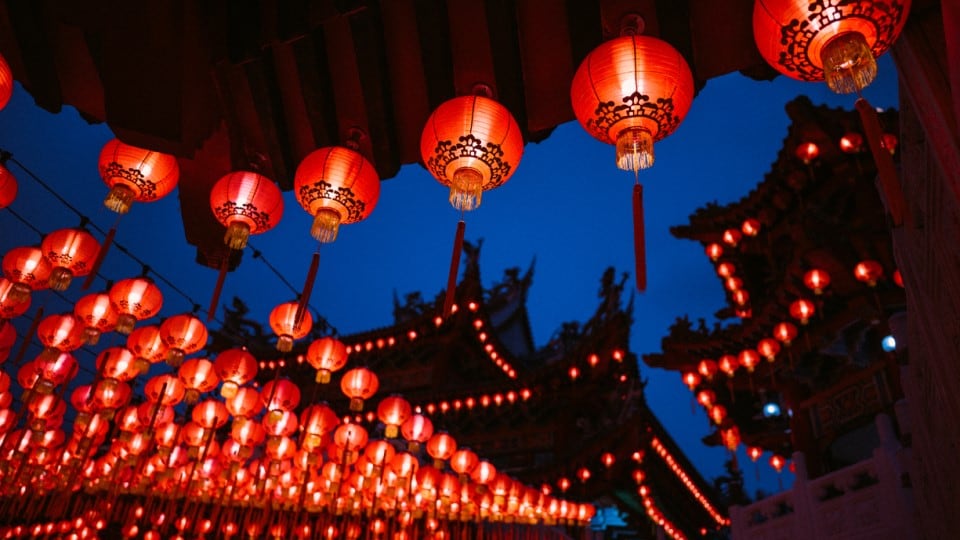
(8, 183)
(336, 185)
(632, 91)
(326, 355)
(183, 334)
(147, 345)
(359, 384)
(471, 144)
(837, 42)
(6, 83)
(235, 367)
(289, 327)
(71, 252)
(98, 315)
(28, 270)
(245, 203)
(135, 299)
(11, 306)
(132, 174)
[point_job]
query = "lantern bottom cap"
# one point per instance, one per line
(125, 323)
(237, 235)
(848, 63)
(120, 198)
(60, 278)
(634, 149)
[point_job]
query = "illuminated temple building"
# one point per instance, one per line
(813, 365)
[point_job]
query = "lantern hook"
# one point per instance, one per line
(354, 137)
(482, 89)
(632, 24)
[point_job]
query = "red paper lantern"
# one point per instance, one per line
(769, 348)
(98, 315)
(750, 227)
(359, 384)
(440, 447)
(235, 367)
(245, 403)
(784, 332)
(135, 174)
(714, 251)
(326, 355)
(749, 359)
(463, 462)
(728, 364)
(10, 305)
(199, 377)
(691, 379)
(245, 203)
(416, 430)
(28, 269)
(61, 333)
(6, 85)
(167, 390)
(8, 182)
(393, 411)
(816, 280)
(147, 345)
(836, 41)
(707, 368)
(283, 321)
(135, 299)
(182, 334)
(471, 144)
(807, 152)
(868, 272)
(632, 91)
(851, 143)
(71, 252)
(116, 363)
(337, 186)
(732, 237)
(281, 395)
(802, 309)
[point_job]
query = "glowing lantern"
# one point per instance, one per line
(6, 84)
(116, 363)
(816, 280)
(868, 272)
(728, 364)
(245, 403)
(838, 42)
(211, 414)
(802, 309)
(707, 368)
(769, 348)
(109, 395)
(750, 227)
(165, 390)
(714, 251)
(463, 462)
(245, 203)
(11, 307)
(807, 152)
(28, 270)
(691, 379)
(135, 299)
(607, 459)
(777, 462)
(754, 453)
(284, 321)
(61, 333)
(718, 413)
(889, 143)
(8, 183)
(147, 345)
(199, 377)
(337, 186)
(183, 334)
(726, 269)
(897, 278)
(785, 332)
(749, 359)
(393, 411)
(350, 437)
(235, 367)
(731, 438)
(740, 297)
(632, 91)
(326, 355)
(317, 421)
(851, 143)
(441, 447)
(359, 384)
(732, 237)
(416, 430)
(136, 174)
(98, 315)
(470, 144)
(733, 283)
(71, 252)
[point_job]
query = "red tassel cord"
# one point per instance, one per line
(454, 268)
(218, 288)
(307, 288)
(101, 255)
(889, 181)
(639, 242)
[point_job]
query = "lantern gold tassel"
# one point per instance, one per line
(889, 182)
(307, 288)
(101, 255)
(639, 242)
(454, 268)
(218, 288)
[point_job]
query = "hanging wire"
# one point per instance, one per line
(257, 254)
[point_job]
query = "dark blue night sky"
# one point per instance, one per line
(568, 206)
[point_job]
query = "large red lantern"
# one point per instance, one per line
(61, 333)
(28, 269)
(98, 315)
(135, 174)
(71, 252)
(632, 91)
(6, 84)
(836, 42)
(335, 185)
(393, 411)
(287, 326)
(470, 144)
(326, 355)
(245, 203)
(359, 384)
(135, 299)
(235, 367)
(8, 185)
(10, 305)
(147, 345)
(183, 334)
(199, 377)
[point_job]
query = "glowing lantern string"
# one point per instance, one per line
(837, 42)
(245, 203)
(632, 91)
(471, 144)
(336, 185)
(132, 174)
